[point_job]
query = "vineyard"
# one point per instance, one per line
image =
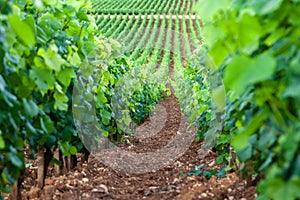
(139, 99)
(144, 7)
(147, 36)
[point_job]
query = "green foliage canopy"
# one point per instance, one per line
(256, 45)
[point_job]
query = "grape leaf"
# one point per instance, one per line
(23, 30)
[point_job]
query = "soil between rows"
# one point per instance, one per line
(93, 180)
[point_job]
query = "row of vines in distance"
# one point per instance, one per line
(146, 36)
(144, 6)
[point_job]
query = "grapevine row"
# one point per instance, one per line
(135, 34)
(143, 7)
(142, 41)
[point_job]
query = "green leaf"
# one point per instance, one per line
(244, 154)
(31, 109)
(293, 90)
(2, 84)
(243, 71)
(101, 96)
(294, 64)
(51, 57)
(74, 59)
(105, 116)
(43, 78)
(267, 162)
(5, 7)
(60, 101)
(105, 133)
(5, 190)
(241, 140)
(65, 76)
(15, 160)
(275, 36)
(12, 122)
(7, 177)
(207, 174)
(64, 147)
(2, 143)
(221, 173)
(219, 159)
(30, 127)
(72, 150)
(47, 124)
(50, 2)
(266, 140)
(218, 52)
(51, 139)
(82, 15)
(215, 40)
(207, 9)
(249, 32)
(263, 7)
(218, 96)
(23, 30)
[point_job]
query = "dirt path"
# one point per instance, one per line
(93, 180)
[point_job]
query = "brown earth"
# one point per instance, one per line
(93, 180)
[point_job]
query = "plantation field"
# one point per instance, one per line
(144, 6)
(159, 44)
(147, 37)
